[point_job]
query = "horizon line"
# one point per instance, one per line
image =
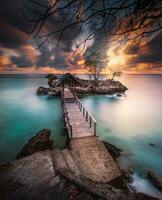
(78, 74)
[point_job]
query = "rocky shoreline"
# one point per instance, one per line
(87, 87)
(32, 176)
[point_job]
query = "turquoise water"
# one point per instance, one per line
(131, 122)
(23, 113)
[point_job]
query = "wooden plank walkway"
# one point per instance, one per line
(87, 155)
(78, 123)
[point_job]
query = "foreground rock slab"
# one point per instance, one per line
(25, 176)
(93, 160)
(35, 178)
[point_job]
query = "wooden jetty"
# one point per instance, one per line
(86, 156)
(79, 122)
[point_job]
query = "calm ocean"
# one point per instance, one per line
(133, 122)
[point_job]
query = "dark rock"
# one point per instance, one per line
(40, 142)
(131, 171)
(52, 93)
(33, 178)
(104, 191)
(151, 144)
(51, 76)
(113, 150)
(88, 87)
(141, 196)
(127, 175)
(42, 91)
(86, 90)
(155, 180)
(101, 90)
(52, 79)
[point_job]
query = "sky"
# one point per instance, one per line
(19, 53)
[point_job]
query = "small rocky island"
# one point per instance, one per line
(109, 86)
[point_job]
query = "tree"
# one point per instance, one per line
(114, 74)
(121, 21)
(95, 63)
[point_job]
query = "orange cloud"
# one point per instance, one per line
(131, 59)
(81, 62)
(31, 53)
(4, 62)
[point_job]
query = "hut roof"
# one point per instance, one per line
(67, 76)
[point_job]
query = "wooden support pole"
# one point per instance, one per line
(86, 115)
(83, 111)
(71, 131)
(94, 128)
(90, 121)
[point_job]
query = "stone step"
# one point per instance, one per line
(70, 161)
(58, 159)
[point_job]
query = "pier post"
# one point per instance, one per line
(90, 121)
(71, 131)
(94, 128)
(86, 115)
(83, 111)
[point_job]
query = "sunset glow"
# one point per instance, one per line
(117, 58)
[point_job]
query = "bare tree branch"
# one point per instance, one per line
(122, 20)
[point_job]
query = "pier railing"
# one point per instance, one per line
(89, 118)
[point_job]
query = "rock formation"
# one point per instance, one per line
(40, 142)
(102, 87)
(36, 176)
(42, 91)
(113, 150)
(155, 180)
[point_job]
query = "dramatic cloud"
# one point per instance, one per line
(11, 20)
(20, 54)
(132, 59)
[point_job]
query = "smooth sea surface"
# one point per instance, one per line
(132, 123)
(23, 114)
